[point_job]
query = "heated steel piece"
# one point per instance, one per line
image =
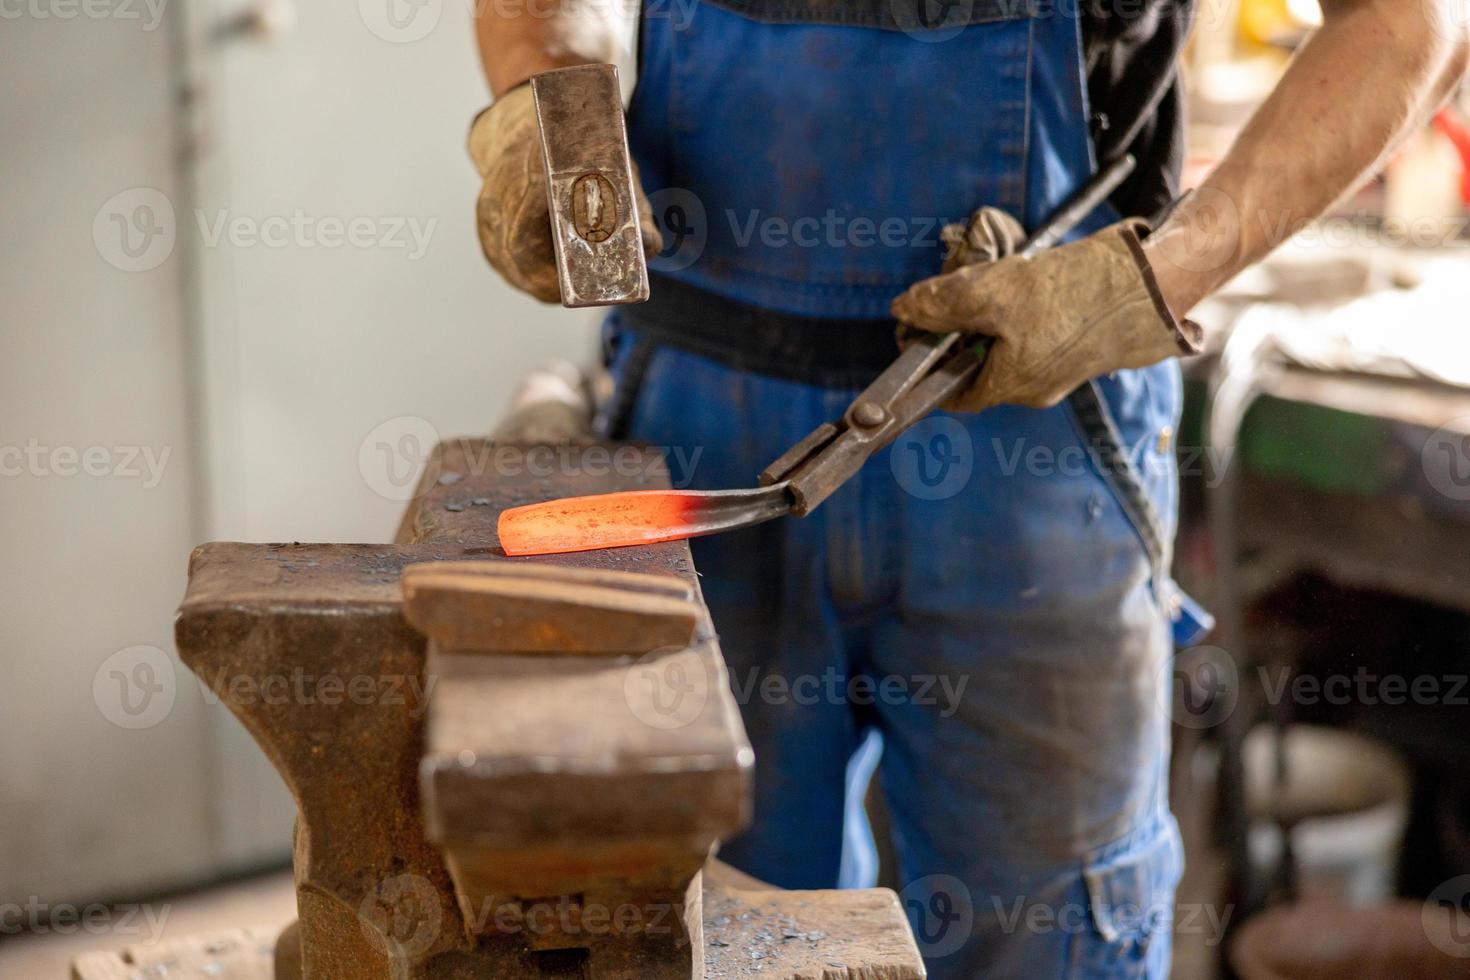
(926, 374)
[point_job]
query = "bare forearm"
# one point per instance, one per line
(519, 39)
(1366, 80)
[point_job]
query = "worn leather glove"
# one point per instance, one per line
(1060, 318)
(512, 215)
(991, 234)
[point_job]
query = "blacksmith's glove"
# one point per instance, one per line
(1059, 318)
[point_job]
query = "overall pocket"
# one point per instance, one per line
(1130, 899)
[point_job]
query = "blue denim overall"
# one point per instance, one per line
(987, 601)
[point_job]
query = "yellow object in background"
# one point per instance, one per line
(1274, 23)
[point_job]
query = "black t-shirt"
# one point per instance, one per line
(1132, 52)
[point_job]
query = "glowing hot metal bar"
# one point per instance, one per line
(615, 520)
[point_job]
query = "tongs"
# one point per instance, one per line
(930, 370)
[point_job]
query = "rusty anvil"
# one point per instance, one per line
(551, 816)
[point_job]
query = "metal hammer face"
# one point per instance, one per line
(589, 184)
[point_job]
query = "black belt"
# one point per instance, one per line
(828, 352)
(836, 353)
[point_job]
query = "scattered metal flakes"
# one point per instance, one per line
(760, 938)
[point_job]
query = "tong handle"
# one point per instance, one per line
(898, 379)
(868, 419)
(929, 371)
(941, 384)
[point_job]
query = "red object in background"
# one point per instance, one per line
(609, 520)
(1457, 131)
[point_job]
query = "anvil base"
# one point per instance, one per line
(750, 930)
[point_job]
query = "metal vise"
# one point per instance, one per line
(514, 794)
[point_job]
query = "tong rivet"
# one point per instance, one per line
(869, 414)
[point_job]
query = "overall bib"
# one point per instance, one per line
(988, 599)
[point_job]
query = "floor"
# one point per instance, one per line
(265, 901)
(269, 901)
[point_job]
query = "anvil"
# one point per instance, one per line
(514, 814)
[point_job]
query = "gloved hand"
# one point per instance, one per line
(551, 406)
(1060, 318)
(513, 218)
(990, 234)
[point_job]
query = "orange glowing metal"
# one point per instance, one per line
(608, 520)
(616, 520)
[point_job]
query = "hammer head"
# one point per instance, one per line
(589, 184)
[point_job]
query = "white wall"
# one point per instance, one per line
(262, 370)
(316, 347)
(90, 355)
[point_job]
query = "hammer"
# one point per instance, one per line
(589, 186)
